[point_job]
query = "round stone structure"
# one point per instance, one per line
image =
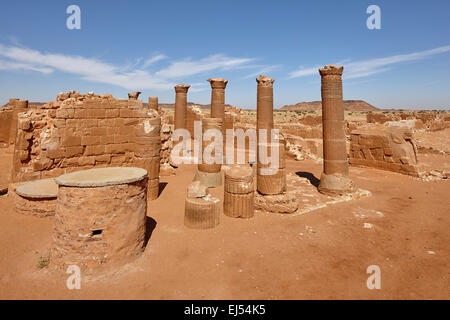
(100, 218)
(37, 198)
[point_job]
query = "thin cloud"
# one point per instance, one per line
(8, 65)
(189, 67)
(360, 69)
(131, 76)
(153, 60)
(263, 70)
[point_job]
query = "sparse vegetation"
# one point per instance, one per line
(43, 261)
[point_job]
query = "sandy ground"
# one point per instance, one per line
(323, 254)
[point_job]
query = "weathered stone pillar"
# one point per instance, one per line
(218, 86)
(18, 106)
(264, 107)
(274, 183)
(334, 179)
(209, 174)
(180, 105)
(134, 95)
(153, 103)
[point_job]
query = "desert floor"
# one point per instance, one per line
(323, 254)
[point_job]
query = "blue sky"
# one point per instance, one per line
(152, 45)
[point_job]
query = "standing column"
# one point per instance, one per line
(218, 86)
(275, 182)
(153, 103)
(181, 105)
(264, 107)
(334, 179)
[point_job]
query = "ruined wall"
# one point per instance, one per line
(193, 113)
(6, 115)
(78, 132)
(392, 149)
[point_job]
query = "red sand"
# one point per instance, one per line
(323, 254)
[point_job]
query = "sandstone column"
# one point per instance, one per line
(239, 192)
(264, 107)
(209, 174)
(180, 105)
(274, 183)
(153, 103)
(134, 95)
(218, 86)
(18, 106)
(334, 179)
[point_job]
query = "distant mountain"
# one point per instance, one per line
(349, 105)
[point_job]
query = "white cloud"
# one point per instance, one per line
(8, 65)
(130, 76)
(303, 72)
(188, 67)
(153, 60)
(360, 69)
(263, 70)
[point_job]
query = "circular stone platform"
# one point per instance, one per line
(39, 189)
(37, 198)
(102, 177)
(100, 218)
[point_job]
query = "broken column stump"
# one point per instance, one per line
(153, 103)
(239, 192)
(209, 174)
(100, 218)
(202, 211)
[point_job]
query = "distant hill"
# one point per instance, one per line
(349, 105)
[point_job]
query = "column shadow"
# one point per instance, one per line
(150, 225)
(308, 175)
(162, 186)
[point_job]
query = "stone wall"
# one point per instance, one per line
(6, 115)
(78, 132)
(387, 148)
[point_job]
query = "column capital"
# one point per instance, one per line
(218, 83)
(331, 70)
(265, 81)
(183, 88)
(134, 95)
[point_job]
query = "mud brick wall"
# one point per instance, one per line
(6, 115)
(79, 132)
(392, 149)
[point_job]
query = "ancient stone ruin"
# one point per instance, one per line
(209, 174)
(153, 103)
(78, 132)
(100, 218)
(387, 148)
(271, 183)
(239, 192)
(334, 179)
(202, 211)
(180, 105)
